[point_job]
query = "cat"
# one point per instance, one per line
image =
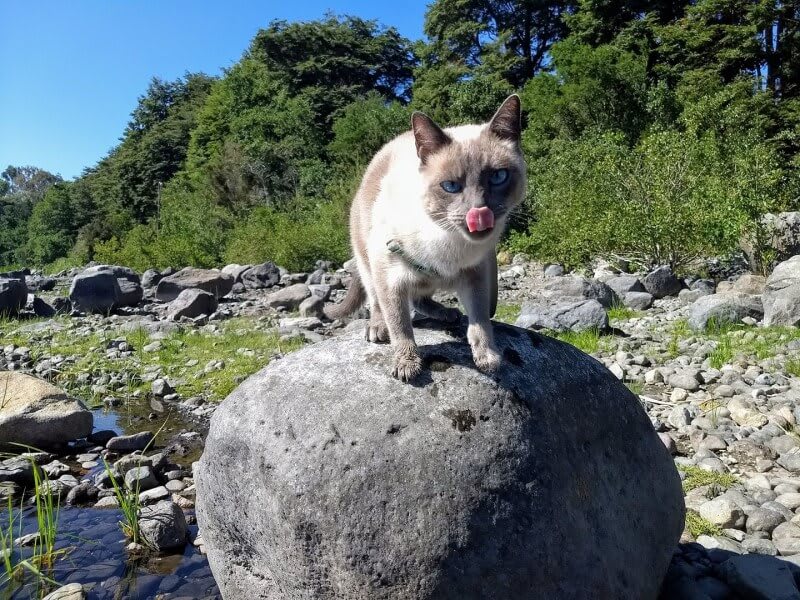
(427, 216)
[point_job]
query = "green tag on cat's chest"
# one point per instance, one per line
(396, 248)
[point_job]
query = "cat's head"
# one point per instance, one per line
(475, 176)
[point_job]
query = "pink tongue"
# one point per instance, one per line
(480, 219)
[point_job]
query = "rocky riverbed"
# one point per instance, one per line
(715, 363)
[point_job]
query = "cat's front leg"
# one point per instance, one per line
(394, 303)
(475, 293)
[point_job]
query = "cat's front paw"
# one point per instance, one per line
(407, 364)
(488, 360)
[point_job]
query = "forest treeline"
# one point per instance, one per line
(655, 131)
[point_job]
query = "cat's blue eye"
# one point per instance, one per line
(498, 177)
(451, 187)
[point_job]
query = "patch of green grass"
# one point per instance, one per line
(620, 312)
(722, 353)
(588, 340)
(243, 349)
(244, 346)
(793, 367)
(678, 331)
(697, 525)
(696, 477)
(637, 387)
(507, 313)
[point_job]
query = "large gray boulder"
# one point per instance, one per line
(724, 309)
(622, 284)
(192, 304)
(579, 288)
(236, 271)
(290, 297)
(95, 291)
(214, 282)
(130, 286)
(37, 413)
(323, 477)
(13, 295)
(782, 294)
(567, 315)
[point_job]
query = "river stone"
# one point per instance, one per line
(37, 413)
(261, 276)
(214, 282)
(163, 526)
(638, 300)
(130, 286)
(662, 282)
(191, 304)
(95, 291)
(542, 481)
(236, 271)
(129, 443)
(622, 284)
(724, 309)
(13, 296)
(578, 315)
(291, 297)
(72, 591)
(573, 287)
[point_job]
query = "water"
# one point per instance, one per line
(93, 542)
(96, 558)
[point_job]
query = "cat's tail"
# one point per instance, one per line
(355, 298)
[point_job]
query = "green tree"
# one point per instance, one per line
(51, 230)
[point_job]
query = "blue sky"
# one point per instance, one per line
(72, 70)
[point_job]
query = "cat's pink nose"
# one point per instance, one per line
(480, 219)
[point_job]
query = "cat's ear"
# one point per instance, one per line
(507, 121)
(428, 135)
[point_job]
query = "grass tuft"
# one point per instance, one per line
(696, 477)
(620, 312)
(507, 313)
(697, 525)
(587, 340)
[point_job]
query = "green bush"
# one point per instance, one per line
(295, 240)
(672, 198)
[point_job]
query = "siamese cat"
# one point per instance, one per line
(427, 216)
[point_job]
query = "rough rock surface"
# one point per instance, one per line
(261, 276)
(192, 304)
(130, 286)
(163, 526)
(37, 413)
(290, 297)
(567, 315)
(722, 309)
(214, 282)
(782, 294)
(323, 477)
(13, 295)
(95, 292)
(580, 287)
(661, 283)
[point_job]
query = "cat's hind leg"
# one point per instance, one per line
(428, 307)
(376, 331)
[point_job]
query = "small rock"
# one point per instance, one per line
(129, 443)
(163, 526)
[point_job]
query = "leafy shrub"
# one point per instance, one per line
(668, 200)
